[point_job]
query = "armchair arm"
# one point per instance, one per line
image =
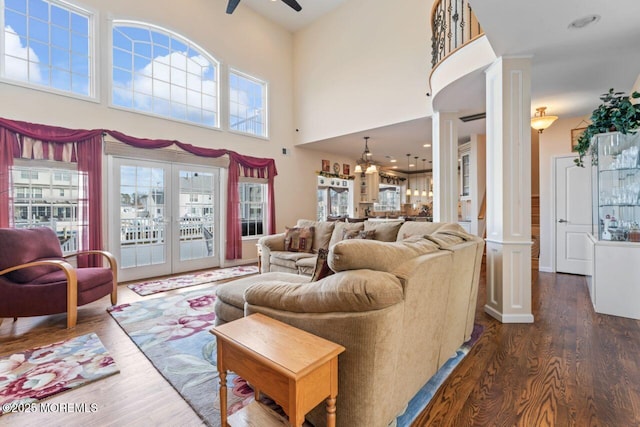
(354, 291)
(274, 242)
(113, 264)
(72, 284)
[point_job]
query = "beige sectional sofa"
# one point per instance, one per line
(274, 257)
(400, 309)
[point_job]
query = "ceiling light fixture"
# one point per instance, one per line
(364, 164)
(424, 167)
(540, 121)
(415, 191)
(408, 179)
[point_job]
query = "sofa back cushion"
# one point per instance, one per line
(357, 254)
(322, 232)
(23, 245)
(341, 228)
(299, 239)
(385, 231)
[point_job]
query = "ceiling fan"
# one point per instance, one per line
(231, 6)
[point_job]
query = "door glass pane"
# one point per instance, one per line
(142, 216)
(196, 211)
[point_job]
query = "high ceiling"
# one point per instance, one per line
(570, 67)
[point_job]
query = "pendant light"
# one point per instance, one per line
(408, 179)
(415, 191)
(424, 168)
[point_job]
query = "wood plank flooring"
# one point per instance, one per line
(572, 367)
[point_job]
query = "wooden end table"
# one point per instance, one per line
(293, 367)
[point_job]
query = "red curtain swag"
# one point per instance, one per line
(89, 159)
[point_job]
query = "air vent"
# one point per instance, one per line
(473, 117)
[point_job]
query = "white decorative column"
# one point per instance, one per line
(445, 167)
(509, 190)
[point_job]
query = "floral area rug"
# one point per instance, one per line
(173, 332)
(177, 282)
(36, 374)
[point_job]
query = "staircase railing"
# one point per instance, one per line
(453, 24)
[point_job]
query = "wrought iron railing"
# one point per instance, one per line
(453, 24)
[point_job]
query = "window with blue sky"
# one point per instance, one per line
(247, 104)
(48, 43)
(158, 72)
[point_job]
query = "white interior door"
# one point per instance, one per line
(573, 216)
(164, 218)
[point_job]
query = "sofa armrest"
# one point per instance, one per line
(273, 242)
(353, 291)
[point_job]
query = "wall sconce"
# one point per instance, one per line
(540, 121)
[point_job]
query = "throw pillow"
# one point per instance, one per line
(322, 269)
(299, 239)
(359, 234)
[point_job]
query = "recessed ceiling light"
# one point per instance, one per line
(583, 22)
(427, 145)
(393, 160)
(394, 167)
(411, 165)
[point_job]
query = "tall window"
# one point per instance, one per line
(388, 198)
(41, 200)
(158, 72)
(247, 104)
(253, 208)
(49, 43)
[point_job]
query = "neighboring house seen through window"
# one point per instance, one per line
(247, 104)
(158, 72)
(253, 208)
(49, 44)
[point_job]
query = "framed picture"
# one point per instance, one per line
(326, 166)
(575, 134)
(345, 169)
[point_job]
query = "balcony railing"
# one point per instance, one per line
(453, 24)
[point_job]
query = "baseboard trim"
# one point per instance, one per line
(508, 318)
(545, 269)
(237, 262)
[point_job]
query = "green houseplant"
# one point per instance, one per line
(615, 113)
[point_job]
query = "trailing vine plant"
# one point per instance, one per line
(615, 113)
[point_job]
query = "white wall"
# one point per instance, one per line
(244, 41)
(553, 142)
(363, 66)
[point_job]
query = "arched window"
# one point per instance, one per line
(159, 72)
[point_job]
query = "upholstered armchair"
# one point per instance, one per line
(36, 279)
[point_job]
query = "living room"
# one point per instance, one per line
(319, 88)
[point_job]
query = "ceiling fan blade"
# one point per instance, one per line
(231, 6)
(293, 4)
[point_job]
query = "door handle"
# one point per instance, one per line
(562, 220)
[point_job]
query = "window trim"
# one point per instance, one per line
(153, 27)
(265, 87)
(265, 190)
(93, 31)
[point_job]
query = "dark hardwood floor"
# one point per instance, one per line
(572, 367)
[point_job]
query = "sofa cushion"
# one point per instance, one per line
(299, 239)
(357, 291)
(341, 227)
(288, 259)
(359, 234)
(321, 269)
(385, 231)
(413, 228)
(307, 266)
(322, 232)
(375, 255)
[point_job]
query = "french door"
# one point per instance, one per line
(164, 217)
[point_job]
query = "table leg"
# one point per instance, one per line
(331, 411)
(223, 397)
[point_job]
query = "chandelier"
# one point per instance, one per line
(364, 164)
(540, 121)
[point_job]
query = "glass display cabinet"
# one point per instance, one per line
(615, 241)
(617, 187)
